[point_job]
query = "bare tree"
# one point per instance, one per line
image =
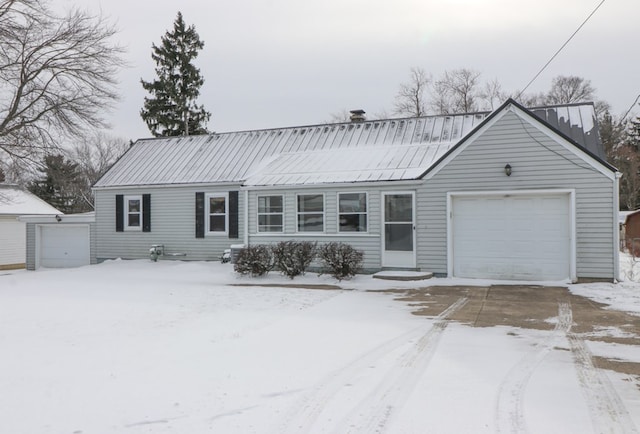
(456, 91)
(57, 77)
(94, 155)
(411, 99)
(570, 89)
(492, 95)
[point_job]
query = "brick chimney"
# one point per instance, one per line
(357, 115)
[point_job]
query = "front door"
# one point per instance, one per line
(398, 248)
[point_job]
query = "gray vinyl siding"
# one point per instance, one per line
(538, 162)
(172, 224)
(31, 246)
(370, 242)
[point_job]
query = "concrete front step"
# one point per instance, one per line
(403, 275)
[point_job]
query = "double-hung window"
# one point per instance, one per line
(217, 211)
(352, 212)
(133, 213)
(270, 214)
(310, 213)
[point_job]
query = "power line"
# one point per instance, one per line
(560, 49)
(630, 108)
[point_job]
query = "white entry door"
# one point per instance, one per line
(399, 242)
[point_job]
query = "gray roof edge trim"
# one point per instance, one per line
(163, 185)
(533, 117)
(350, 184)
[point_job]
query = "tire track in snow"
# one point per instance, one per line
(509, 405)
(373, 414)
(304, 416)
(608, 412)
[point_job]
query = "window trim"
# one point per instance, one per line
(125, 210)
(324, 213)
(208, 214)
(366, 212)
(258, 214)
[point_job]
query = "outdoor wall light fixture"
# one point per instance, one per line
(507, 170)
(58, 218)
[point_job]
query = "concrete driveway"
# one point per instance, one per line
(535, 307)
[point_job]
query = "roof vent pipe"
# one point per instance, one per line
(357, 115)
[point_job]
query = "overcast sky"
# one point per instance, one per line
(276, 63)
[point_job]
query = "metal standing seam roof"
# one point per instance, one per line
(393, 149)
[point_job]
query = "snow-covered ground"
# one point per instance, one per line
(177, 347)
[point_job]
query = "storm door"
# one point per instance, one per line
(398, 248)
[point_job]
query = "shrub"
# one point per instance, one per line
(293, 258)
(342, 260)
(254, 260)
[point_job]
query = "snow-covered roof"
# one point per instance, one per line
(361, 164)
(16, 201)
(264, 157)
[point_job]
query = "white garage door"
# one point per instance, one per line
(519, 237)
(64, 246)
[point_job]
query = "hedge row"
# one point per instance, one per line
(292, 258)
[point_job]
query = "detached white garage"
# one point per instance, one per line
(62, 241)
(15, 201)
(512, 235)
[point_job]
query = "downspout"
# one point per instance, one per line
(616, 226)
(246, 218)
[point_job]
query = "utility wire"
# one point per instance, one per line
(630, 108)
(560, 49)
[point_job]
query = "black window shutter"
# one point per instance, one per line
(119, 213)
(199, 215)
(233, 214)
(146, 213)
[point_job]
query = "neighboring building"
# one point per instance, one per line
(14, 202)
(630, 231)
(513, 194)
(60, 241)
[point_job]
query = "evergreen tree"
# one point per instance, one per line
(171, 110)
(61, 185)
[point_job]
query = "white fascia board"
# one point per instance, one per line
(64, 218)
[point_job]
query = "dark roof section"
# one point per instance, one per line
(580, 125)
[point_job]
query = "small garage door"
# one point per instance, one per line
(64, 246)
(518, 237)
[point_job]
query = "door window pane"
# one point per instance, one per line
(399, 237)
(398, 208)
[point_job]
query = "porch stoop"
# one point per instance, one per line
(403, 275)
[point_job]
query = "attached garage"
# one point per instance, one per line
(512, 235)
(63, 246)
